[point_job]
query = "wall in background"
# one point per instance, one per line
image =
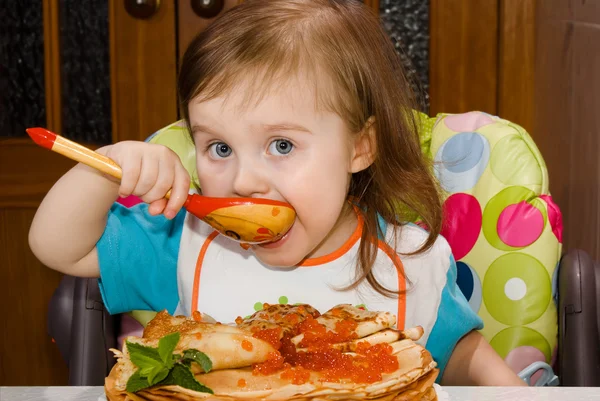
(566, 119)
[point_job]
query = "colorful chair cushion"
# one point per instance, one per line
(503, 227)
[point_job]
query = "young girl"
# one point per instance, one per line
(302, 101)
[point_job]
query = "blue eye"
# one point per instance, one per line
(220, 150)
(280, 146)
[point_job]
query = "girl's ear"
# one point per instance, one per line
(363, 153)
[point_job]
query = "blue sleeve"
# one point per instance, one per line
(137, 255)
(455, 319)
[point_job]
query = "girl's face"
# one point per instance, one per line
(281, 148)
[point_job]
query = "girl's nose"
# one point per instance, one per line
(249, 182)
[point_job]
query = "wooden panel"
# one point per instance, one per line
(584, 203)
(566, 123)
(587, 11)
(557, 10)
(553, 113)
(52, 65)
(27, 172)
(374, 4)
(28, 357)
(189, 24)
(516, 63)
(463, 56)
(143, 71)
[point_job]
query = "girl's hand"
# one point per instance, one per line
(149, 171)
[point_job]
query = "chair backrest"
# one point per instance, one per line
(503, 227)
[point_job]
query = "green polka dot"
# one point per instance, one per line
(531, 299)
(258, 306)
(497, 204)
(513, 337)
(513, 163)
(283, 299)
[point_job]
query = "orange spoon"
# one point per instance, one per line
(247, 220)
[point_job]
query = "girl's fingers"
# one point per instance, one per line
(157, 207)
(163, 181)
(131, 168)
(147, 179)
(179, 191)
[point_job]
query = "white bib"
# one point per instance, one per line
(217, 277)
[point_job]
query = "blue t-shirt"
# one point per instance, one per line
(138, 256)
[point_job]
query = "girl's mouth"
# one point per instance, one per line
(279, 242)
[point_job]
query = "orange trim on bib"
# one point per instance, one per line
(401, 316)
(341, 251)
(199, 262)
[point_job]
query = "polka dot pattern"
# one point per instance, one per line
(516, 289)
(514, 337)
(468, 121)
(503, 228)
(462, 223)
(469, 283)
(523, 356)
(554, 217)
(520, 224)
(509, 221)
(461, 161)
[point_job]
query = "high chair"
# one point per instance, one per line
(539, 310)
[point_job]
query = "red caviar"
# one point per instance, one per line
(247, 345)
(197, 316)
(292, 318)
(271, 336)
(315, 334)
(241, 383)
(297, 375)
(366, 366)
(274, 363)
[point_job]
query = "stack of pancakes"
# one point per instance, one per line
(290, 352)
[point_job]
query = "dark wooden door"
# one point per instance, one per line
(27, 355)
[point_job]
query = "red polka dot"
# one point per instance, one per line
(520, 224)
(554, 217)
(462, 223)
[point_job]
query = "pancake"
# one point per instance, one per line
(371, 360)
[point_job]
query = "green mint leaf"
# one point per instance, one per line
(157, 374)
(145, 363)
(181, 375)
(136, 383)
(142, 356)
(161, 376)
(199, 357)
(166, 346)
(146, 371)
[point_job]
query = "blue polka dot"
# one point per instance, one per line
(461, 160)
(470, 285)
(464, 279)
(462, 152)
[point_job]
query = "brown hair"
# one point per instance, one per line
(274, 40)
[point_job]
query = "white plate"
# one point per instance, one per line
(441, 394)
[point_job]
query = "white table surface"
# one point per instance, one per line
(454, 393)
